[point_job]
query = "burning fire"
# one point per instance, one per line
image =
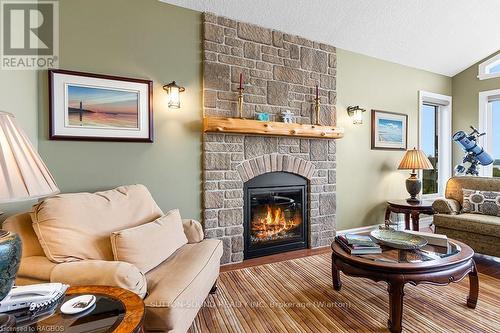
(274, 223)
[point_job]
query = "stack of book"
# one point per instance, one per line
(358, 244)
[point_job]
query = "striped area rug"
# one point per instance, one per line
(297, 296)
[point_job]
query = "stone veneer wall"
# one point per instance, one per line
(280, 72)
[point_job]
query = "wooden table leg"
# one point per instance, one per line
(396, 293)
(415, 219)
(337, 283)
(474, 287)
(407, 221)
(387, 213)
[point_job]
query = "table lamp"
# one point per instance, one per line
(23, 176)
(414, 159)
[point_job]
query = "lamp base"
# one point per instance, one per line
(413, 186)
(413, 201)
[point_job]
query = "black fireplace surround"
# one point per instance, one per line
(275, 214)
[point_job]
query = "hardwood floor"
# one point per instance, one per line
(297, 296)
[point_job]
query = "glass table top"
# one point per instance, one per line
(104, 316)
(424, 254)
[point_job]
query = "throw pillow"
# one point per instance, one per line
(150, 244)
(76, 226)
(481, 202)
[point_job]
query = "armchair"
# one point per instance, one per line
(481, 232)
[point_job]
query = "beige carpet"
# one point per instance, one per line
(297, 296)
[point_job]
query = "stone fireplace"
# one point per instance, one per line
(267, 194)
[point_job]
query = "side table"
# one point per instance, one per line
(410, 210)
(116, 310)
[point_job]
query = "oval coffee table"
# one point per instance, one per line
(431, 264)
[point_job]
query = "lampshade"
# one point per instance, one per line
(23, 175)
(415, 159)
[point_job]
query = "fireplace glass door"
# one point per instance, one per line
(275, 215)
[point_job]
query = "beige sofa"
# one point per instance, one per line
(481, 232)
(173, 292)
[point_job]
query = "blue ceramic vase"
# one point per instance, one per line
(10, 258)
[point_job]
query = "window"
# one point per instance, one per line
(435, 141)
(489, 123)
(495, 137)
(490, 68)
(430, 146)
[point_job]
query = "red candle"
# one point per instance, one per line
(317, 92)
(241, 80)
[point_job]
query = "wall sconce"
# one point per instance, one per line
(356, 113)
(173, 90)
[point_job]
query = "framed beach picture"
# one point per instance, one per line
(94, 107)
(389, 130)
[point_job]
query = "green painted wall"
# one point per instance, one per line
(466, 88)
(150, 39)
(141, 39)
(367, 178)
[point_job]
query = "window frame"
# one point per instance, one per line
(444, 104)
(483, 73)
(486, 125)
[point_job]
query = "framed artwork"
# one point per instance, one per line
(389, 130)
(94, 107)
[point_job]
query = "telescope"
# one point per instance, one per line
(474, 153)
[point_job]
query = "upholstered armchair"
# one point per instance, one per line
(480, 231)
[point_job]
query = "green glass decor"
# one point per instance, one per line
(10, 258)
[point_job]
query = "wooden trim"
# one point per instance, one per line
(255, 127)
(53, 136)
(358, 230)
(373, 131)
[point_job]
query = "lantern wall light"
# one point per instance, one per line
(356, 114)
(174, 92)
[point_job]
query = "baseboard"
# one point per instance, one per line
(358, 230)
(424, 222)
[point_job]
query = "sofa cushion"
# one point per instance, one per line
(36, 267)
(178, 287)
(481, 202)
(148, 245)
(101, 273)
(473, 223)
(77, 226)
(23, 226)
(455, 186)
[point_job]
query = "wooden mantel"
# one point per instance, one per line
(256, 127)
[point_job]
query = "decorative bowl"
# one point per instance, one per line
(398, 239)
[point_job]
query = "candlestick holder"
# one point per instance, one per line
(240, 102)
(316, 110)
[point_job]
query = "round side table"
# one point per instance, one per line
(410, 210)
(116, 310)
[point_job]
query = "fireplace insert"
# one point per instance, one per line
(275, 214)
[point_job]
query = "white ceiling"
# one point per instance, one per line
(441, 36)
